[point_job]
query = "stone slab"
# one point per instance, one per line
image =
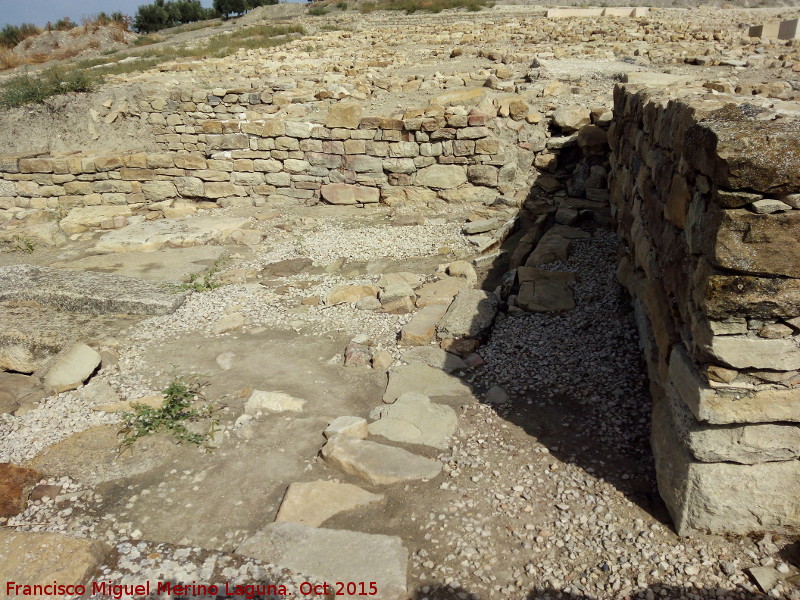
(169, 265)
(470, 314)
(434, 357)
(41, 558)
(72, 368)
(744, 444)
(766, 404)
(421, 329)
(170, 233)
(334, 555)
(31, 336)
(722, 497)
(377, 464)
(414, 419)
(86, 291)
(15, 484)
(545, 291)
(315, 502)
(419, 377)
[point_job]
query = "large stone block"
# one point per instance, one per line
(42, 558)
(722, 497)
(346, 115)
(744, 444)
(443, 177)
(763, 404)
(753, 243)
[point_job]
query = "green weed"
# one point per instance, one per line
(173, 416)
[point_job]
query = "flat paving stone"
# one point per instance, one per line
(86, 291)
(314, 502)
(377, 464)
(334, 555)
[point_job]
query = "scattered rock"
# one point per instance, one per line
(229, 322)
(260, 401)
(471, 312)
(355, 427)
(72, 368)
(15, 485)
(419, 377)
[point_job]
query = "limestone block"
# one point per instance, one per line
(342, 193)
(346, 115)
(722, 497)
(441, 176)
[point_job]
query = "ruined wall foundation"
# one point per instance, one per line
(704, 189)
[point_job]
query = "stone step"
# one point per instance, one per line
(414, 419)
(377, 464)
(335, 555)
(87, 291)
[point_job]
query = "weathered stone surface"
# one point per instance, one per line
(571, 117)
(441, 177)
(86, 291)
(471, 312)
(351, 293)
(434, 357)
(545, 291)
(72, 368)
(346, 115)
(440, 292)
(377, 464)
(418, 377)
(31, 336)
(741, 152)
(261, 401)
(551, 248)
(414, 419)
(343, 193)
(333, 555)
(745, 444)
(41, 558)
(755, 243)
(421, 329)
(287, 268)
(732, 405)
(170, 233)
(83, 218)
(723, 497)
(724, 296)
(352, 426)
(229, 322)
(15, 484)
(315, 502)
(759, 353)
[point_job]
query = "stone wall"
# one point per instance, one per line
(705, 189)
(451, 154)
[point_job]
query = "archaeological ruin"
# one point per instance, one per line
(475, 305)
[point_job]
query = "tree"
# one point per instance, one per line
(151, 17)
(228, 7)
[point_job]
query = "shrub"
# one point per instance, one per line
(341, 5)
(318, 11)
(367, 7)
(25, 89)
(11, 35)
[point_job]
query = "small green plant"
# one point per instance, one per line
(367, 7)
(318, 11)
(20, 243)
(173, 415)
(341, 5)
(204, 282)
(310, 48)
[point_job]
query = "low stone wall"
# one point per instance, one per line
(705, 191)
(450, 154)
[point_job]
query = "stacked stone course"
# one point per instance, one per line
(704, 189)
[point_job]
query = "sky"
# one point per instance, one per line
(39, 12)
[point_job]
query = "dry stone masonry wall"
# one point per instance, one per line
(446, 153)
(705, 193)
